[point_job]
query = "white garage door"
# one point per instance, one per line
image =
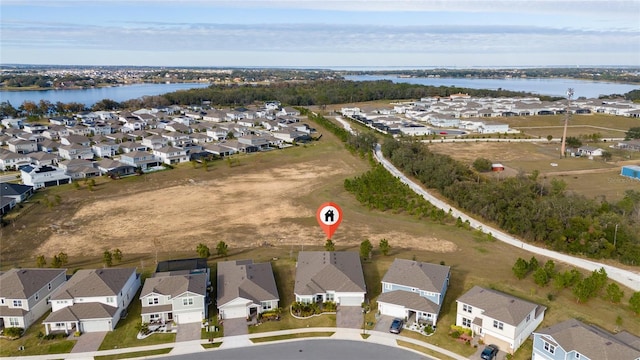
(186, 318)
(392, 310)
(95, 326)
(350, 301)
(233, 312)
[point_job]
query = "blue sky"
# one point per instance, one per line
(329, 33)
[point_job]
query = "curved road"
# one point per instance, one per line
(625, 277)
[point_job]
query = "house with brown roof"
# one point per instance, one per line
(92, 300)
(25, 293)
(245, 289)
(414, 290)
(573, 339)
(335, 276)
(498, 318)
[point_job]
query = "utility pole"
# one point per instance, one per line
(615, 236)
(566, 122)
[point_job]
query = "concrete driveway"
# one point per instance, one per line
(188, 332)
(501, 354)
(233, 327)
(88, 342)
(349, 317)
(384, 323)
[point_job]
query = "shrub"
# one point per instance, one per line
(13, 332)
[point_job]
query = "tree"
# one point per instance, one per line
(222, 249)
(533, 264)
(584, 290)
(59, 260)
(203, 250)
(633, 133)
(41, 261)
(614, 293)
(573, 142)
(549, 137)
(365, 249)
(107, 258)
(634, 302)
(482, 165)
(117, 255)
(384, 247)
(540, 277)
(520, 268)
(329, 245)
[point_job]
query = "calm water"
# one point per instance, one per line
(552, 87)
(92, 96)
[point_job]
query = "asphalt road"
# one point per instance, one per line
(307, 350)
(627, 278)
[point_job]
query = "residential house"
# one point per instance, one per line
(105, 149)
(131, 146)
(18, 192)
(79, 169)
(633, 144)
(75, 151)
(75, 139)
(92, 300)
(48, 146)
(498, 318)
(218, 150)
(25, 294)
(245, 289)
(181, 298)
(587, 150)
(141, 159)
(335, 276)
(62, 120)
(44, 158)
(490, 127)
(114, 168)
(6, 204)
(34, 128)
(572, 339)
(254, 140)
(22, 146)
(171, 155)
(40, 176)
(154, 142)
(12, 161)
(414, 290)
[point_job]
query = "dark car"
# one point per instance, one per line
(396, 326)
(489, 353)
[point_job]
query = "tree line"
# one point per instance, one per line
(537, 212)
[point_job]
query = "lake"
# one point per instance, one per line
(541, 86)
(92, 96)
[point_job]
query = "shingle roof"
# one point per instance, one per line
(82, 311)
(500, 306)
(23, 283)
(409, 300)
(8, 189)
(243, 278)
(420, 275)
(593, 342)
(319, 271)
(95, 282)
(175, 285)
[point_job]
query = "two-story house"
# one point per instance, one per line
(335, 276)
(572, 339)
(181, 298)
(171, 155)
(10, 160)
(19, 146)
(245, 289)
(141, 159)
(414, 290)
(25, 293)
(40, 176)
(75, 151)
(92, 300)
(498, 318)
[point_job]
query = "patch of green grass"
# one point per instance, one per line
(134, 354)
(212, 345)
(125, 333)
(33, 345)
(423, 350)
(292, 336)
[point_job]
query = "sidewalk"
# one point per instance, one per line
(231, 342)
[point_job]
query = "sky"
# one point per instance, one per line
(321, 34)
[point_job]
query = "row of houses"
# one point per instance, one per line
(178, 293)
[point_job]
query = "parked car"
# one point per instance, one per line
(489, 352)
(396, 326)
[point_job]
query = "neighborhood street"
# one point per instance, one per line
(627, 278)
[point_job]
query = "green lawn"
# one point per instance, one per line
(292, 336)
(422, 349)
(135, 354)
(33, 345)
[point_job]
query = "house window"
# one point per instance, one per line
(187, 301)
(387, 286)
(467, 308)
(498, 325)
(152, 301)
(466, 322)
(266, 305)
(37, 296)
(14, 321)
(528, 317)
(17, 303)
(577, 355)
(2, 301)
(551, 349)
(49, 286)
(330, 297)
(154, 317)
(110, 299)
(59, 325)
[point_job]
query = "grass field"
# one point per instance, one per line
(33, 344)
(264, 208)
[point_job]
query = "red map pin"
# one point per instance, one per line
(329, 216)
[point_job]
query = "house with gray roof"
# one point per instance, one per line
(573, 339)
(414, 290)
(181, 298)
(335, 276)
(92, 300)
(498, 318)
(245, 289)
(25, 293)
